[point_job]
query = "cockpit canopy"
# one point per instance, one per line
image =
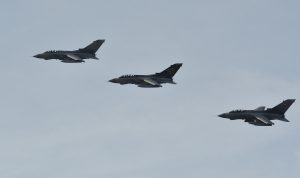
(236, 111)
(52, 51)
(127, 76)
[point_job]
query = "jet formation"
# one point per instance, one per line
(150, 81)
(261, 116)
(258, 117)
(76, 56)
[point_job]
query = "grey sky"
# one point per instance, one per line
(66, 121)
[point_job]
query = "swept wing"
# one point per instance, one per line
(259, 119)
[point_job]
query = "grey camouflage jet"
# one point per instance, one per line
(150, 81)
(76, 56)
(261, 116)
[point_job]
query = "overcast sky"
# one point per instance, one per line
(62, 120)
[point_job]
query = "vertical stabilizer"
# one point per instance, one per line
(170, 71)
(93, 47)
(282, 107)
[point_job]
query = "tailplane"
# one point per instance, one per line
(282, 107)
(170, 71)
(93, 47)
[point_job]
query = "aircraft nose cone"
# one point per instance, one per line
(38, 56)
(113, 80)
(222, 115)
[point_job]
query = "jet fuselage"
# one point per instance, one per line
(150, 81)
(248, 114)
(260, 116)
(75, 56)
(138, 79)
(61, 55)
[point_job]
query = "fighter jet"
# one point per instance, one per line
(150, 81)
(261, 116)
(75, 56)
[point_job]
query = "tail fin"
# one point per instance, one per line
(282, 107)
(93, 47)
(170, 71)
